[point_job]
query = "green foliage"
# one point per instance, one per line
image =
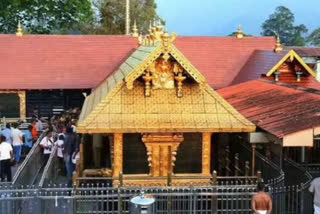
(282, 22)
(45, 16)
(112, 15)
(314, 37)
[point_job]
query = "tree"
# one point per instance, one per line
(282, 22)
(314, 37)
(44, 16)
(112, 15)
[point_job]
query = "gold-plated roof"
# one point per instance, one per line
(120, 103)
(201, 109)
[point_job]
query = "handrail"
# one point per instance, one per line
(273, 181)
(306, 173)
(26, 160)
(48, 166)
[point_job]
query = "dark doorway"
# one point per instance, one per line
(189, 154)
(134, 155)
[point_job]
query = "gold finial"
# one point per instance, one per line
(159, 26)
(154, 26)
(239, 32)
(278, 47)
(135, 32)
(19, 30)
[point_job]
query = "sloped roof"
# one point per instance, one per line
(60, 61)
(292, 55)
(116, 107)
(199, 110)
(84, 61)
(306, 51)
(278, 109)
(307, 81)
(263, 62)
(220, 59)
(258, 64)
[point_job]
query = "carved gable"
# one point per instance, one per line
(157, 90)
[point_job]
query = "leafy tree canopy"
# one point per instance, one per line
(112, 15)
(314, 37)
(282, 22)
(44, 16)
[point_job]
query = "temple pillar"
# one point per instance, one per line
(22, 103)
(161, 152)
(206, 153)
(118, 154)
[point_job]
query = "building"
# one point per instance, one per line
(150, 103)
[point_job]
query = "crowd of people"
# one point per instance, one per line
(59, 131)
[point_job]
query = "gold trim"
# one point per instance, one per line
(291, 55)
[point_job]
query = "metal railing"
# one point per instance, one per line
(312, 168)
(50, 172)
(29, 169)
(106, 199)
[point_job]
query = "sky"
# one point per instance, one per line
(221, 17)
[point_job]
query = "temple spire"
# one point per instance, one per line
(19, 30)
(239, 34)
(135, 32)
(278, 47)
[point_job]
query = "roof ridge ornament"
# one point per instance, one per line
(135, 31)
(157, 34)
(278, 47)
(19, 29)
(239, 33)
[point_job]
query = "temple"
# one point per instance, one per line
(162, 104)
(158, 99)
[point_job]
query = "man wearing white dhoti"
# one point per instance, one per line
(261, 202)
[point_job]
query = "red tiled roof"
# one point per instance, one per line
(306, 51)
(307, 81)
(259, 63)
(56, 61)
(220, 59)
(83, 61)
(277, 109)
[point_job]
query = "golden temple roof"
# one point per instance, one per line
(133, 100)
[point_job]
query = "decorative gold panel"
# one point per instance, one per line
(161, 152)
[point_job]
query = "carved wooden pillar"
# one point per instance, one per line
(253, 159)
(206, 150)
(118, 154)
(161, 152)
(22, 102)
